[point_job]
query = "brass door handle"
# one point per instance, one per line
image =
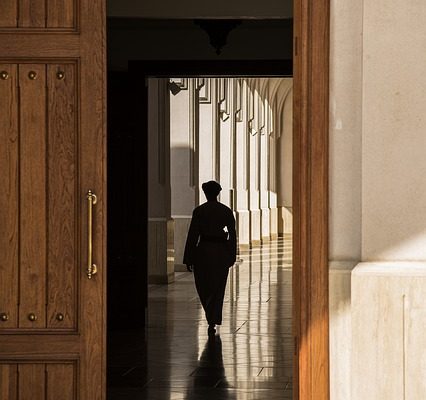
(91, 267)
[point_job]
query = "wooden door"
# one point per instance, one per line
(52, 152)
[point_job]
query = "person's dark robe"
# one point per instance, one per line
(211, 248)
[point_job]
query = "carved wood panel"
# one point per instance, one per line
(39, 136)
(39, 14)
(38, 381)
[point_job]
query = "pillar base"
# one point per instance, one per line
(161, 279)
(265, 239)
(243, 248)
(180, 268)
(243, 227)
(285, 220)
(181, 232)
(160, 250)
(274, 223)
(255, 225)
(265, 224)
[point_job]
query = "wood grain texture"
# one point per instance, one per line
(41, 151)
(32, 379)
(8, 381)
(61, 13)
(33, 232)
(9, 197)
(60, 381)
(15, 47)
(32, 13)
(310, 196)
(62, 182)
(8, 14)
(93, 162)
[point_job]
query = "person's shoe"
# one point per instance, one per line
(211, 330)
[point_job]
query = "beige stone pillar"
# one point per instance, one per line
(206, 135)
(241, 164)
(263, 128)
(183, 164)
(224, 137)
(285, 157)
(254, 163)
(160, 225)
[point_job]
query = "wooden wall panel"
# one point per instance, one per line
(60, 13)
(32, 13)
(32, 381)
(8, 14)
(8, 381)
(65, 375)
(62, 201)
(9, 196)
(33, 232)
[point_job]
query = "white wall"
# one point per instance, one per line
(394, 134)
(377, 197)
(200, 9)
(345, 183)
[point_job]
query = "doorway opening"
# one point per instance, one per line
(249, 116)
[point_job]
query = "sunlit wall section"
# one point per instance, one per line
(237, 131)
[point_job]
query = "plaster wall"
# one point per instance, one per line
(377, 198)
(393, 206)
(345, 177)
(394, 126)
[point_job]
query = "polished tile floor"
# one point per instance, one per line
(250, 358)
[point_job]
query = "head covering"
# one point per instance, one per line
(211, 188)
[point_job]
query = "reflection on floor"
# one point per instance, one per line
(250, 358)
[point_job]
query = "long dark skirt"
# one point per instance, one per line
(211, 274)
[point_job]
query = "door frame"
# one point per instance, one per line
(311, 32)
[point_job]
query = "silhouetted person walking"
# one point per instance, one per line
(211, 249)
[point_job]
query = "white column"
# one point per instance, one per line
(183, 162)
(272, 164)
(264, 153)
(285, 158)
(253, 164)
(224, 135)
(206, 137)
(241, 165)
(160, 225)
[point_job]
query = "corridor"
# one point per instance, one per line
(250, 357)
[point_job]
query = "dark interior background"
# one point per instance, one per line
(252, 47)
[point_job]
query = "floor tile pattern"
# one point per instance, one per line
(250, 358)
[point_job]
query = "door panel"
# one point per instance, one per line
(32, 199)
(8, 15)
(38, 381)
(52, 151)
(8, 381)
(31, 382)
(38, 14)
(47, 212)
(9, 195)
(62, 182)
(32, 13)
